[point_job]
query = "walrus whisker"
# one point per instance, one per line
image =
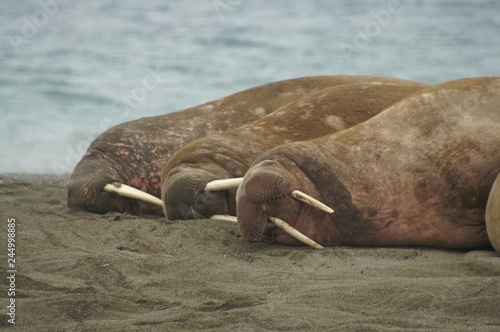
(131, 192)
(86, 194)
(297, 194)
(224, 217)
(295, 233)
(223, 184)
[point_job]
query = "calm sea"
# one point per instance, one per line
(71, 69)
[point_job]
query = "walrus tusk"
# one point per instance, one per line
(223, 184)
(224, 217)
(131, 192)
(281, 224)
(295, 233)
(310, 200)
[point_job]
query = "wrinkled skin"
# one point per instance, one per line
(417, 174)
(493, 215)
(134, 152)
(230, 154)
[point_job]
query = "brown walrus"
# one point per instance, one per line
(230, 154)
(134, 152)
(417, 174)
(493, 215)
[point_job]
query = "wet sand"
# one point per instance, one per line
(80, 271)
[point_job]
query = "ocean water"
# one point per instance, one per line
(72, 69)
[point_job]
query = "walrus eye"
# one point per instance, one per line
(90, 155)
(268, 163)
(173, 171)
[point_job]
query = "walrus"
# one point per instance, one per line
(231, 153)
(493, 215)
(133, 153)
(417, 174)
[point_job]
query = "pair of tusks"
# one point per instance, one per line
(297, 194)
(216, 185)
(225, 184)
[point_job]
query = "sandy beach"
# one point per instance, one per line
(78, 271)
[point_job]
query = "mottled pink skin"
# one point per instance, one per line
(134, 153)
(418, 174)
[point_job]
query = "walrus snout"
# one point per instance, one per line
(81, 194)
(264, 193)
(90, 196)
(184, 196)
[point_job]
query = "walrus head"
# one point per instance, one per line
(263, 193)
(184, 195)
(86, 187)
(271, 191)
